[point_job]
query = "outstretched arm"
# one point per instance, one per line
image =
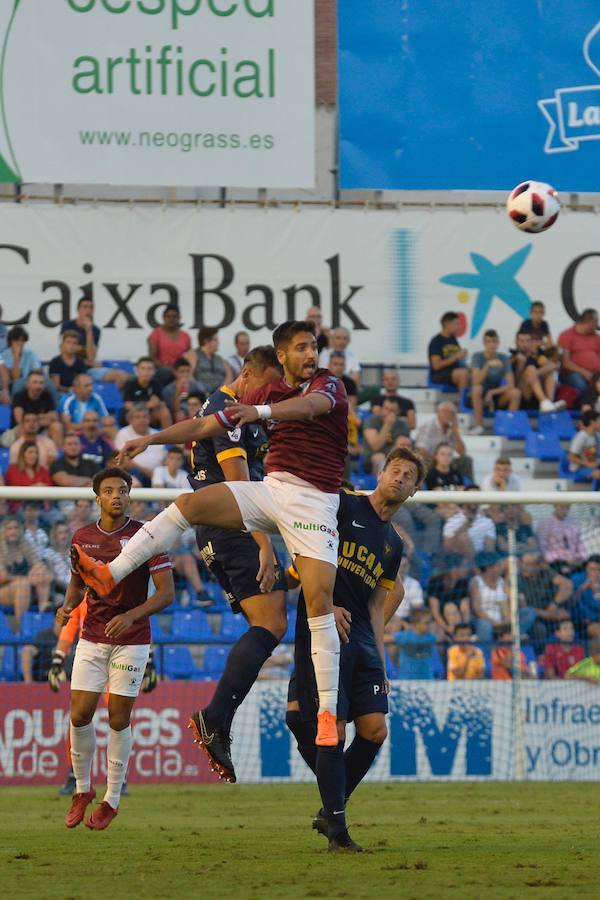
(180, 433)
(298, 408)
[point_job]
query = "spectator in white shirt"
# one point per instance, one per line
(339, 339)
(469, 531)
(172, 474)
(149, 459)
(502, 478)
(242, 348)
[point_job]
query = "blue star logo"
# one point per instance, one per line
(491, 281)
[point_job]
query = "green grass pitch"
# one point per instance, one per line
(458, 841)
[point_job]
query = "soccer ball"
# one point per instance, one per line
(533, 206)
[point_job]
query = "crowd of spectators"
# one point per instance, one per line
(454, 621)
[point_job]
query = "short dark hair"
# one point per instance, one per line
(537, 304)
(284, 333)
(197, 395)
(206, 333)
(181, 362)
(17, 333)
(261, 358)
(337, 354)
(110, 472)
(409, 456)
(491, 333)
(589, 416)
(142, 359)
(449, 317)
(461, 625)
(84, 299)
(595, 558)
(587, 314)
(171, 307)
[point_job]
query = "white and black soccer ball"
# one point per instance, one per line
(533, 206)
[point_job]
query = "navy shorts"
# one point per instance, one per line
(362, 687)
(232, 557)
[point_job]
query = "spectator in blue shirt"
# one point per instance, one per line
(417, 644)
(17, 360)
(587, 597)
(95, 446)
(82, 400)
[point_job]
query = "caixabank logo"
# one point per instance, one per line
(573, 114)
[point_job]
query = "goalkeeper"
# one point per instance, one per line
(57, 674)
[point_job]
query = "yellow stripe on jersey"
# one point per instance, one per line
(228, 391)
(385, 583)
(229, 454)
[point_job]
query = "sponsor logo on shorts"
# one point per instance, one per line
(125, 667)
(314, 526)
(207, 553)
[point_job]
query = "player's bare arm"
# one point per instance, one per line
(165, 591)
(377, 614)
(298, 408)
(393, 599)
(75, 593)
(236, 469)
(180, 433)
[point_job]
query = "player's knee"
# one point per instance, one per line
(278, 627)
(81, 717)
(376, 732)
(118, 721)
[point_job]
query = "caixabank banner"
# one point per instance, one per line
(157, 92)
(437, 731)
(386, 276)
(453, 96)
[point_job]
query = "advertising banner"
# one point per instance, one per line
(386, 276)
(447, 96)
(437, 731)
(158, 92)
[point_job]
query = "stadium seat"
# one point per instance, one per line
(158, 635)
(193, 626)
(362, 481)
(214, 661)
(290, 634)
(543, 446)
(111, 395)
(215, 591)
(232, 627)
(124, 364)
(6, 633)
(5, 416)
(32, 622)
(442, 388)
(10, 655)
(4, 459)
(178, 663)
(558, 423)
(510, 424)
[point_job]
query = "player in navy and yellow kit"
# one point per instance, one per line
(244, 564)
(369, 557)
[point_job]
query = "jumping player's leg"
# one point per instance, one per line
(268, 622)
(318, 579)
(214, 505)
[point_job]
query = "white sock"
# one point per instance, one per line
(325, 652)
(117, 757)
(83, 745)
(153, 537)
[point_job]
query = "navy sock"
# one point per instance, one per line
(244, 662)
(331, 778)
(305, 734)
(359, 758)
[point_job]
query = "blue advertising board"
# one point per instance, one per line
(464, 95)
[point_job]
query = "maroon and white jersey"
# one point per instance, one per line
(129, 593)
(314, 450)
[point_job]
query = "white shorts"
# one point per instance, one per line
(118, 668)
(304, 516)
